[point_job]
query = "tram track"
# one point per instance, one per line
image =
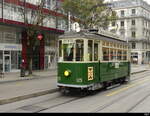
(106, 105)
(52, 103)
(66, 102)
(103, 106)
(112, 102)
(135, 105)
(118, 99)
(71, 98)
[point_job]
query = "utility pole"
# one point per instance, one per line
(56, 12)
(69, 21)
(2, 9)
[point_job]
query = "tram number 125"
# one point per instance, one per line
(90, 74)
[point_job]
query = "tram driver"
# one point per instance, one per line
(70, 57)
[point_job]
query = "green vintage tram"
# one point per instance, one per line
(90, 60)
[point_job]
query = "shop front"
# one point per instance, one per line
(50, 58)
(10, 57)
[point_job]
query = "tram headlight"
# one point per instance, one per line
(67, 73)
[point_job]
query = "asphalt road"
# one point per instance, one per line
(131, 97)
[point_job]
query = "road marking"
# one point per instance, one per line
(126, 88)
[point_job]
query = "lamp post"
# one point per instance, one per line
(2, 9)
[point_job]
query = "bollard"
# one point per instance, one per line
(22, 72)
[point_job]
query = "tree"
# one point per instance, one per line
(92, 13)
(33, 20)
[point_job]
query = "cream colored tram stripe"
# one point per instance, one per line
(125, 88)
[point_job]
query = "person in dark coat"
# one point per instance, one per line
(70, 57)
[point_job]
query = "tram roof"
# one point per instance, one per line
(91, 35)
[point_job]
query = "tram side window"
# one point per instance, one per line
(95, 51)
(68, 52)
(90, 50)
(106, 54)
(124, 55)
(111, 54)
(119, 55)
(79, 50)
(115, 55)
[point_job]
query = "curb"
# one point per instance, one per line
(27, 79)
(138, 72)
(20, 98)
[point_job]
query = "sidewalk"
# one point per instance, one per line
(139, 68)
(15, 88)
(15, 76)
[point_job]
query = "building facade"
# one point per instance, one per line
(13, 44)
(133, 24)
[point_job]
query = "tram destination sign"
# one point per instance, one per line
(68, 41)
(90, 74)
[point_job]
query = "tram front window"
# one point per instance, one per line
(79, 50)
(68, 52)
(90, 50)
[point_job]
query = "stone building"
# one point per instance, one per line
(133, 24)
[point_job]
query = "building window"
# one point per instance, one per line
(122, 23)
(122, 13)
(133, 22)
(133, 11)
(133, 45)
(133, 34)
(47, 4)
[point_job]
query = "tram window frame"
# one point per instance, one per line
(105, 51)
(107, 44)
(81, 49)
(119, 55)
(96, 47)
(125, 55)
(111, 54)
(68, 55)
(115, 52)
(103, 43)
(111, 44)
(90, 51)
(115, 55)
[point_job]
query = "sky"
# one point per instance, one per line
(148, 1)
